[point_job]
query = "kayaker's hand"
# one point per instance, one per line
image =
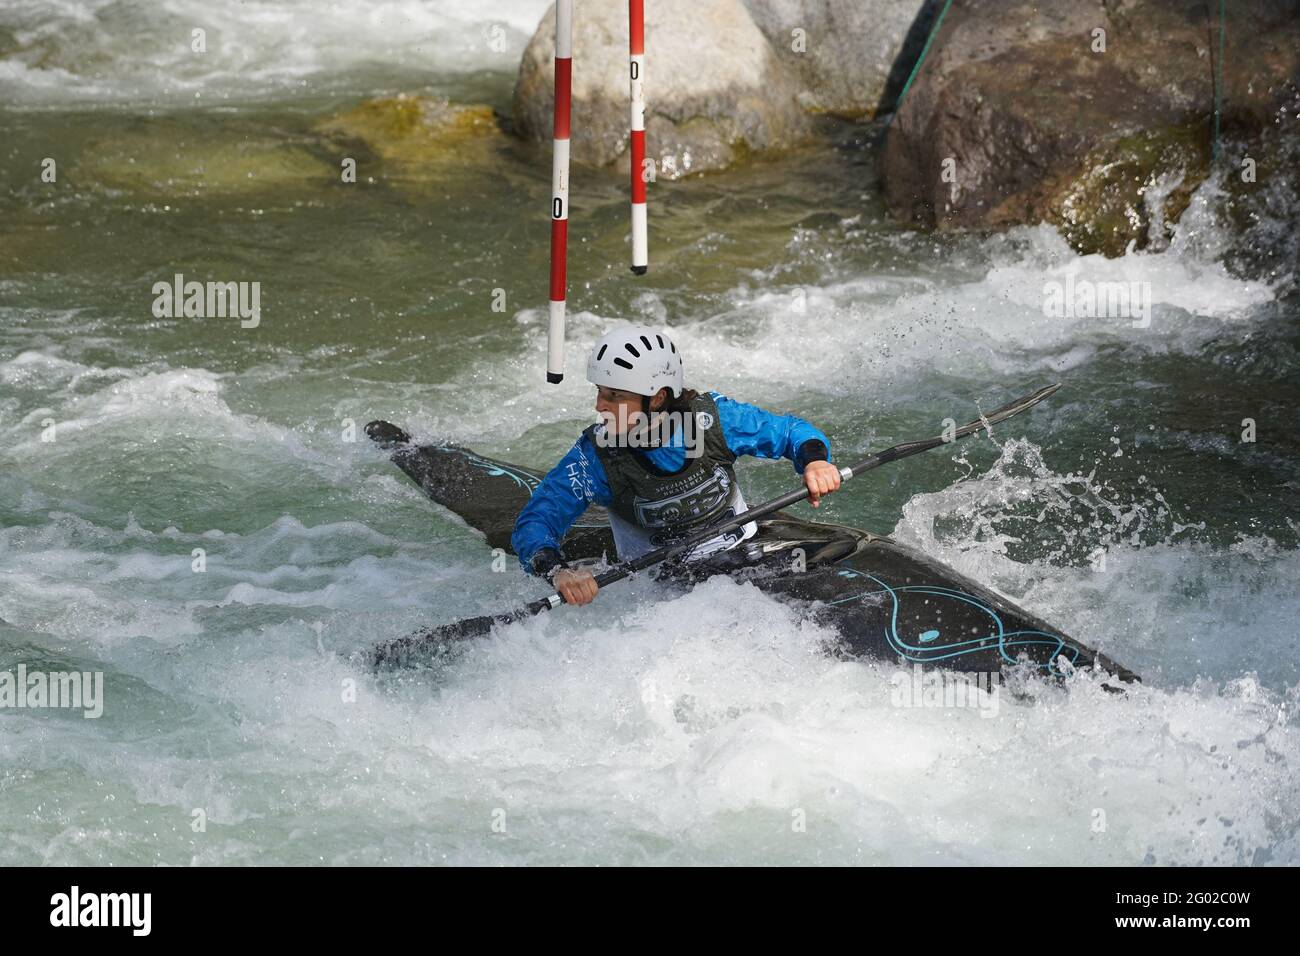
(575, 585)
(821, 478)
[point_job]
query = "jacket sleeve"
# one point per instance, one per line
(750, 430)
(560, 499)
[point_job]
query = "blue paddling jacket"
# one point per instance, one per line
(582, 478)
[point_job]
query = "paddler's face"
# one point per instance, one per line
(616, 408)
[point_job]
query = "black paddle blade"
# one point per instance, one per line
(1012, 408)
(386, 434)
(423, 647)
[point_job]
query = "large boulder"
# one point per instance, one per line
(714, 87)
(1018, 116)
(852, 56)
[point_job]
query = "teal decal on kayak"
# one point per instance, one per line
(1007, 641)
(494, 469)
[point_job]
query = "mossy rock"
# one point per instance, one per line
(1125, 186)
(161, 161)
(416, 130)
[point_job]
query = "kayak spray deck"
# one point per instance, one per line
(886, 602)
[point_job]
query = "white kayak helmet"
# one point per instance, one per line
(636, 358)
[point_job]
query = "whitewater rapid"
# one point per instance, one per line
(196, 513)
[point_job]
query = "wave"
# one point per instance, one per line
(128, 52)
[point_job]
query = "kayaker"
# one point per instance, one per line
(660, 460)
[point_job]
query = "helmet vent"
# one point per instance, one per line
(673, 346)
(648, 346)
(601, 354)
(623, 362)
(632, 349)
(661, 340)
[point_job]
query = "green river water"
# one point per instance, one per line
(637, 730)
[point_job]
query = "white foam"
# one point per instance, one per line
(107, 51)
(984, 320)
(1119, 572)
(707, 726)
(876, 335)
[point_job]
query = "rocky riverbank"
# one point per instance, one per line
(1096, 116)
(1101, 117)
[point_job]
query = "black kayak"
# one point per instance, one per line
(886, 601)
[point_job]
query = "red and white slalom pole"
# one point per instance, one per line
(636, 35)
(560, 189)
